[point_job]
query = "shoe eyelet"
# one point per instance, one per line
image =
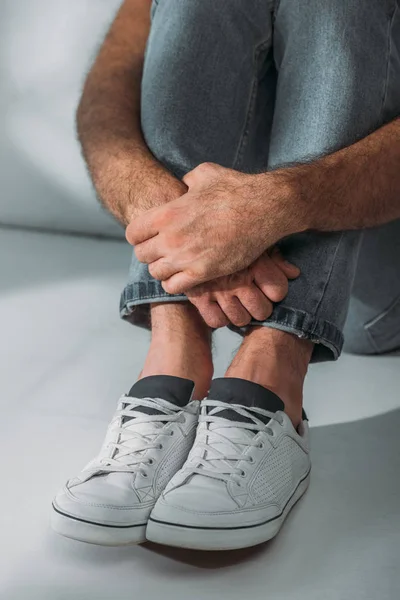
(251, 460)
(144, 474)
(172, 432)
(261, 445)
(150, 461)
(160, 446)
(243, 474)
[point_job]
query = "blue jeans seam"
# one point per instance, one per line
(328, 278)
(371, 339)
(250, 110)
(383, 313)
(388, 55)
(368, 326)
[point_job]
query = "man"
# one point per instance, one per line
(248, 126)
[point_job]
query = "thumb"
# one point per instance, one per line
(202, 174)
(287, 268)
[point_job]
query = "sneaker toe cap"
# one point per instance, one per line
(103, 504)
(191, 506)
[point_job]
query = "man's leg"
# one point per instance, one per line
(207, 95)
(373, 321)
(348, 86)
(180, 345)
(331, 92)
(332, 64)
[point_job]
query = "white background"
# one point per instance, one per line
(46, 47)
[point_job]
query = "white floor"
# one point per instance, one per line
(65, 359)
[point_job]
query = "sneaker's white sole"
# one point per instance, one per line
(93, 533)
(198, 538)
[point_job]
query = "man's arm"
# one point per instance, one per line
(227, 219)
(353, 188)
(127, 177)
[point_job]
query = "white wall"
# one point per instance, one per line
(46, 47)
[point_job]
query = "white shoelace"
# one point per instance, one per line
(220, 453)
(137, 434)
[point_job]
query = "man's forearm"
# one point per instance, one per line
(108, 121)
(354, 188)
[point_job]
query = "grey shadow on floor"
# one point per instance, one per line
(354, 498)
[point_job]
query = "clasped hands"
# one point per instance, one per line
(215, 244)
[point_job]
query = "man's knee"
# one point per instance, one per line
(198, 76)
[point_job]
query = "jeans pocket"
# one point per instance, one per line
(384, 329)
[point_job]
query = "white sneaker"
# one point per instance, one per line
(246, 470)
(147, 442)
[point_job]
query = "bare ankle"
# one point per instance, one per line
(278, 361)
(180, 345)
(180, 319)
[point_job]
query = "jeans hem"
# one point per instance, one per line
(327, 338)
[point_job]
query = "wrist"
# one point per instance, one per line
(284, 190)
(131, 181)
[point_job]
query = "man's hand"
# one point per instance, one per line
(220, 226)
(246, 295)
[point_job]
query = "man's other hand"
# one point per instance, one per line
(247, 295)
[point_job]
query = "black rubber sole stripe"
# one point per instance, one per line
(234, 528)
(98, 524)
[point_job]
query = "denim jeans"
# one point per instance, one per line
(256, 85)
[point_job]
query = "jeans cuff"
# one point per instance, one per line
(136, 298)
(326, 336)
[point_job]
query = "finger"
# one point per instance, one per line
(183, 281)
(288, 269)
(149, 251)
(234, 310)
(255, 302)
(271, 280)
(178, 283)
(211, 313)
(142, 228)
(162, 270)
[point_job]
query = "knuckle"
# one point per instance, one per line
(214, 322)
(199, 271)
(163, 219)
(243, 322)
(265, 313)
(206, 166)
(281, 291)
(259, 307)
(240, 320)
(277, 286)
(212, 318)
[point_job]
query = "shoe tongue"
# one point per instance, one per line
(248, 394)
(176, 390)
(232, 390)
